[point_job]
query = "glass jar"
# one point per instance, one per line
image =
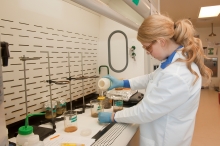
(49, 114)
(117, 104)
(107, 103)
(96, 107)
(61, 106)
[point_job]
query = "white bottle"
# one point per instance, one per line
(104, 83)
(24, 133)
(34, 141)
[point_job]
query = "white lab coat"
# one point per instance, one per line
(167, 112)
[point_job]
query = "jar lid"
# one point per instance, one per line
(25, 130)
(101, 98)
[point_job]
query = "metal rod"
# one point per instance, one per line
(50, 84)
(25, 86)
(70, 81)
(82, 81)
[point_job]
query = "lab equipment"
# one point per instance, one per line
(70, 121)
(24, 59)
(51, 114)
(132, 53)
(61, 106)
(50, 111)
(25, 133)
(125, 94)
(104, 83)
(82, 77)
(96, 107)
(85, 132)
(114, 82)
(107, 102)
(117, 104)
(33, 140)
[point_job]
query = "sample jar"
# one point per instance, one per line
(61, 106)
(96, 107)
(107, 103)
(48, 111)
(70, 121)
(117, 104)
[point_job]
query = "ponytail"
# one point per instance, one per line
(193, 50)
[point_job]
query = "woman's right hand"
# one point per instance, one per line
(115, 83)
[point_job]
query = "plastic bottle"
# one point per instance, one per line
(25, 133)
(33, 140)
(104, 83)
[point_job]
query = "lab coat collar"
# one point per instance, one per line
(169, 59)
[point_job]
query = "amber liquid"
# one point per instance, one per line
(94, 115)
(70, 129)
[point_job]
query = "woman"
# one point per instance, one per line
(167, 112)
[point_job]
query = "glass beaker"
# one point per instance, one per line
(70, 121)
(96, 107)
(117, 104)
(107, 103)
(48, 113)
(61, 106)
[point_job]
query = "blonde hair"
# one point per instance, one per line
(182, 32)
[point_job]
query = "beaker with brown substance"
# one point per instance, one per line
(96, 107)
(118, 104)
(50, 113)
(70, 121)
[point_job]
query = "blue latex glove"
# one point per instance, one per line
(105, 117)
(114, 82)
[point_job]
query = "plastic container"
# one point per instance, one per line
(22, 139)
(33, 140)
(104, 83)
(26, 135)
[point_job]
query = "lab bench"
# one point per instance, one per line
(85, 121)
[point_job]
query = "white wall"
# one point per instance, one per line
(32, 26)
(204, 36)
(28, 24)
(135, 68)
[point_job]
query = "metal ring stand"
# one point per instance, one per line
(25, 84)
(50, 82)
(78, 78)
(37, 130)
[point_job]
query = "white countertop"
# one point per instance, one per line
(85, 121)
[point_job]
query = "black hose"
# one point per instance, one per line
(109, 52)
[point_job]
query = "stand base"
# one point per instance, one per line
(43, 132)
